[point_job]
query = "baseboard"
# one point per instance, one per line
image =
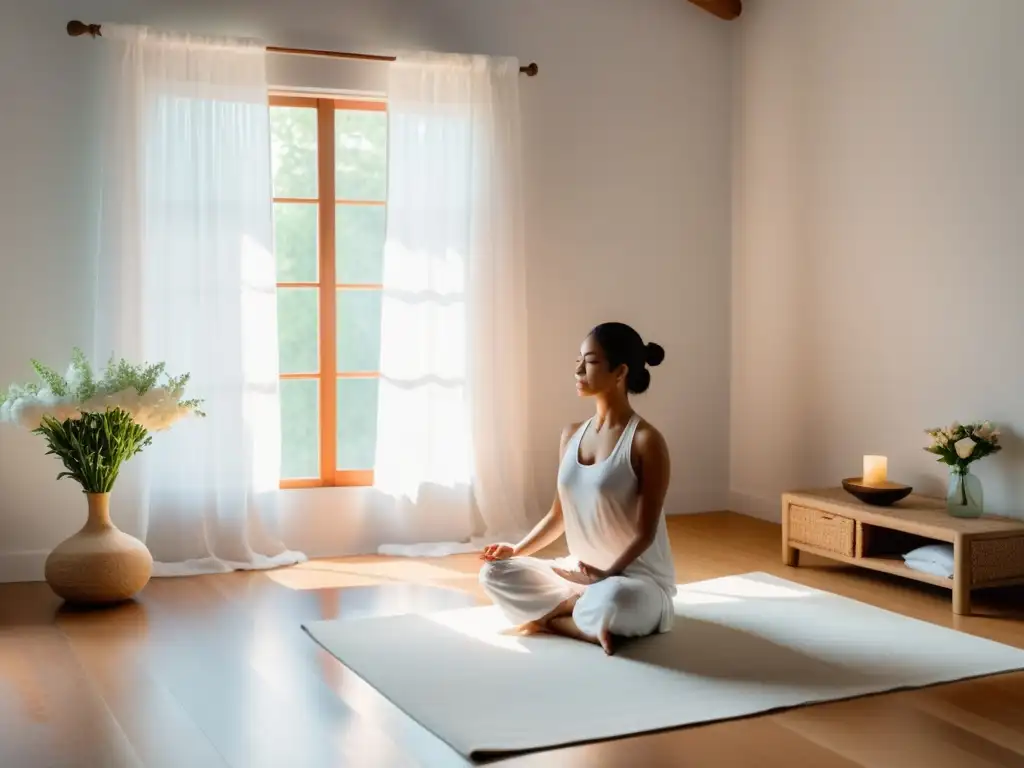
(30, 566)
(22, 566)
(761, 507)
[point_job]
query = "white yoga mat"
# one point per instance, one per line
(742, 645)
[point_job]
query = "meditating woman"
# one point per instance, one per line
(619, 578)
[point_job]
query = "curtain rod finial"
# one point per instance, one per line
(531, 69)
(77, 29)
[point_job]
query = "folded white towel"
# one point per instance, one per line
(926, 566)
(939, 554)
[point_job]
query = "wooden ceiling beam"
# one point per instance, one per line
(723, 9)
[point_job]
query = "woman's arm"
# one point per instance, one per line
(551, 525)
(650, 449)
(544, 533)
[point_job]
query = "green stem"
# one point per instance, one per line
(962, 471)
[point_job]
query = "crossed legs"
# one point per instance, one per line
(535, 598)
(563, 623)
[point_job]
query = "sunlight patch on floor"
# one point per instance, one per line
(486, 625)
(701, 598)
(738, 587)
(334, 574)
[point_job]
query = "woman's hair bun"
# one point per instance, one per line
(655, 353)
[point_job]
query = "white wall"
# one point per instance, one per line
(628, 147)
(878, 228)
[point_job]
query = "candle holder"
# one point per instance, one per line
(877, 494)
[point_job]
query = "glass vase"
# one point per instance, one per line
(965, 497)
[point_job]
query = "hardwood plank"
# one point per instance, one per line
(112, 647)
(59, 719)
(377, 727)
(756, 741)
(241, 676)
(887, 730)
(990, 717)
(216, 670)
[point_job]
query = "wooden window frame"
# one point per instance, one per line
(327, 202)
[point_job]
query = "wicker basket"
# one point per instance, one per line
(995, 559)
(822, 530)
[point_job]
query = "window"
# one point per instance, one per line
(330, 174)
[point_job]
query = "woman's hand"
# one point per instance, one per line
(595, 574)
(582, 574)
(498, 552)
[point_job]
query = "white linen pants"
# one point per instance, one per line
(527, 589)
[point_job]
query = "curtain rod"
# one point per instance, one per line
(77, 29)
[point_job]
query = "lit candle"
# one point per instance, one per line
(874, 470)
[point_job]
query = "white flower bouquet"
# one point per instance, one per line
(92, 425)
(960, 444)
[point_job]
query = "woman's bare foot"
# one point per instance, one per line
(533, 628)
(565, 626)
(525, 630)
(543, 625)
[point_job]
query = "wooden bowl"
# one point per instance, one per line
(878, 495)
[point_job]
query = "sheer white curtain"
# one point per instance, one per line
(452, 419)
(186, 275)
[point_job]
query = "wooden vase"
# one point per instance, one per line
(99, 564)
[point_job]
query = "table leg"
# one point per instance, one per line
(790, 555)
(961, 578)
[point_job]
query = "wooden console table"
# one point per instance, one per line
(987, 551)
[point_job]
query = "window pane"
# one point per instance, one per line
(295, 241)
(297, 330)
(359, 233)
(358, 330)
(360, 154)
(357, 423)
(293, 151)
(300, 428)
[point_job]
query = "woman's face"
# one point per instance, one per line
(592, 374)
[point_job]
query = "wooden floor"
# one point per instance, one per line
(216, 671)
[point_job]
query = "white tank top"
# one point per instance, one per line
(599, 506)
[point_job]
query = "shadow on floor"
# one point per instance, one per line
(707, 649)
